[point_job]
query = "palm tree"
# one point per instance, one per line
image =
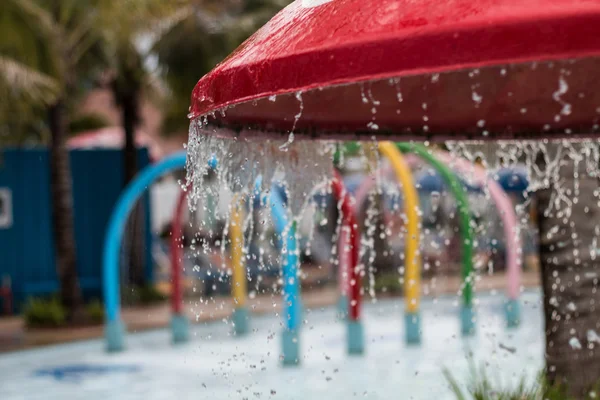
(568, 233)
(125, 24)
(127, 87)
(73, 37)
(48, 47)
(24, 86)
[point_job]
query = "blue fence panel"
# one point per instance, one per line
(33, 211)
(26, 247)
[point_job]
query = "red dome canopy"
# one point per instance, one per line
(413, 69)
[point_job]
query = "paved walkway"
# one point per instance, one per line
(14, 336)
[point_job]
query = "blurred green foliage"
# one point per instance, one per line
(148, 49)
(143, 295)
(44, 313)
(50, 313)
(87, 122)
(95, 312)
(388, 283)
(481, 387)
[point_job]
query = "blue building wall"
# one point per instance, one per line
(26, 248)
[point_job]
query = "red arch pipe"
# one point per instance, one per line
(177, 255)
(349, 220)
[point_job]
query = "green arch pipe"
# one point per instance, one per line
(464, 225)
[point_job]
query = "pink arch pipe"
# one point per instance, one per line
(502, 201)
(507, 214)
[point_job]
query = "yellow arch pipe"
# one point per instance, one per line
(412, 272)
(240, 317)
(236, 235)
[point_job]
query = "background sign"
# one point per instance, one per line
(6, 211)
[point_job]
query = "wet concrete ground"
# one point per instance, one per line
(216, 365)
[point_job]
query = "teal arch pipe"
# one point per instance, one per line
(291, 284)
(467, 311)
(114, 329)
(292, 303)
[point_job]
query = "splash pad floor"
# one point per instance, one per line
(215, 365)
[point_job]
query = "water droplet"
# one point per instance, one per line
(575, 343)
(373, 126)
(592, 336)
(477, 98)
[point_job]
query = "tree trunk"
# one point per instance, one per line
(62, 210)
(134, 233)
(130, 118)
(570, 272)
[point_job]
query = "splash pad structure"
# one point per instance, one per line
(467, 70)
(411, 71)
(286, 228)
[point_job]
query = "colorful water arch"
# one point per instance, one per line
(291, 290)
(349, 249)
(179, 324)
(412, 257)
(292, 302)
(505, 211)
(510, 226)
(355, 331)
(239, 285)
(114, 327)
(412, 285)
(287, 230)
(240, 316)
(464, 214)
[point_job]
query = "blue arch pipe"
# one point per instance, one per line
(292, 303)
(115, 330)
(291, 283)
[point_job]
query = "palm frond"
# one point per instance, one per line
(43, 19)
(22, 81)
